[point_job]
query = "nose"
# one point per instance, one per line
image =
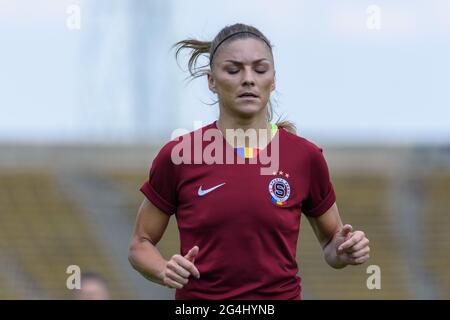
(248, 79)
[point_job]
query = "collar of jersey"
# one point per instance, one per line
(248, 153)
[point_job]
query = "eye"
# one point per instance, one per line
(233, 71)
(261, 68)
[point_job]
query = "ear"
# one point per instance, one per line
(211, 82)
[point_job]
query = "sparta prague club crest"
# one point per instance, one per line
(280, 191)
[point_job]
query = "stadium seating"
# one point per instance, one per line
(129, 183)
(44, 234)
(43, 230)
(436, 231)
(361, 201)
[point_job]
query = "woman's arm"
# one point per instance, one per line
(145, 257)
(340, 245)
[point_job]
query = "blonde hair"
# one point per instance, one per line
(199, 48)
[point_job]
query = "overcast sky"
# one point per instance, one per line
(340, 78)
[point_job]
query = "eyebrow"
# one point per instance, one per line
(240, 63)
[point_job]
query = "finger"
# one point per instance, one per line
(354, 239)
(362, 259)
(174, 266)
(186, 264)
(192, 253)
(176, 277)
(360, 253)
(173, 284)
(360, 245)
(346, 230)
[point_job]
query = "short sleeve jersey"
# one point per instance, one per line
(245, 223)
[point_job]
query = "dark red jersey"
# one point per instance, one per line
(245, 223)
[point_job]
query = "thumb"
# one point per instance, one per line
(192, 253)
(346, 230)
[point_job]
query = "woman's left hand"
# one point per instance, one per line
(351, 247)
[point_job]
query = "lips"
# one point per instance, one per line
(248, 95)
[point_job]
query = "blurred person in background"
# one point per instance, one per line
(93, 287)
(239, 228)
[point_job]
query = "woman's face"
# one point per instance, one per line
(240, 66)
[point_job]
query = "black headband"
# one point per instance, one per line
(232, 35)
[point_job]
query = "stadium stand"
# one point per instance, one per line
(361, 202)
(47, 223)
(129, 183)
(436, 231)
(45, 234)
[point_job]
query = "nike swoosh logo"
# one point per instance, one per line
(201, 192)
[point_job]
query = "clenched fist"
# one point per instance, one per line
(179, 269)
(351, 247)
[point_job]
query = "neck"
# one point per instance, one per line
(260, 130)
(245, 124)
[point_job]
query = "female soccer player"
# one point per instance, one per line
(238, 224)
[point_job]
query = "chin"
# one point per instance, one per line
(249, 109)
